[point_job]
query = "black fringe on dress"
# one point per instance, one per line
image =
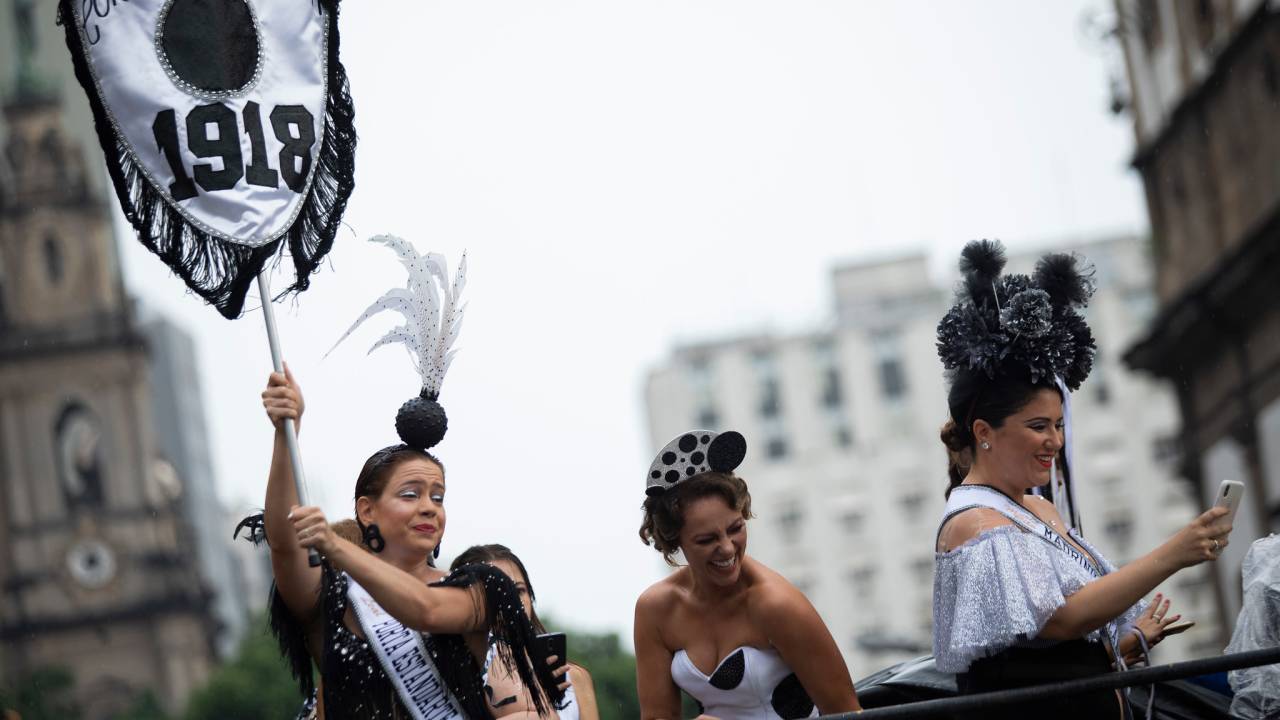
(509, 626)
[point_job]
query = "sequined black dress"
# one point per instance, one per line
(353, 683)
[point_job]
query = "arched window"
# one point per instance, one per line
(4, 316)
(79, 456)
(53, 158)
(53, 263)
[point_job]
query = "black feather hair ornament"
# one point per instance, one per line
(1000, 322)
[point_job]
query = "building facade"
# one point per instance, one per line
(112, 551)
(847, 471)
(95, 563)
(1204, 95)
(182, 441)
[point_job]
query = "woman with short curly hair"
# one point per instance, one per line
(730, 632)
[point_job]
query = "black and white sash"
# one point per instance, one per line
(967, 497)
(403, 655)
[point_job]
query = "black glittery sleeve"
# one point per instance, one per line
(289, 633)
(292, 638)
(508, 625)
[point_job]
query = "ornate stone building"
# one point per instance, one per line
(1204, 80)
(96, 574)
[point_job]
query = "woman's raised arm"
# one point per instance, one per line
(297, 582)
(1108, 597)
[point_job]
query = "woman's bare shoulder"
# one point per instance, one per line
(663, 595)
(967, 525)
(1043, 508)
(579, 673)
(773, 597)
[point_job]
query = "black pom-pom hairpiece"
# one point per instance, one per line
(433, 318)
(1002, 321)
(981, 263)
(1059, 275)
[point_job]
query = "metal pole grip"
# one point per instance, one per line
(290, 428)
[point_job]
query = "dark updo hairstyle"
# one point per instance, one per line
(974, 396)
(492, 553)
(664, 513)
(373, 477)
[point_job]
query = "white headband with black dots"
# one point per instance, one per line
(692, 453)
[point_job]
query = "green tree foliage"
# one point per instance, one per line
(46, 694)
(256, 685)
(42, 694)
(146, 707)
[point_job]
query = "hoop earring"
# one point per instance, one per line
(373, 538)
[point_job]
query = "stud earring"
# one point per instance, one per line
(986, 445)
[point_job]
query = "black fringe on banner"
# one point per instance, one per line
(216, 270)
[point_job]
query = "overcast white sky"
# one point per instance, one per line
(626, 175)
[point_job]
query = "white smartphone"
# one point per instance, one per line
(1229, 494)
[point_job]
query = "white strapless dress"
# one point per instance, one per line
(748, 684)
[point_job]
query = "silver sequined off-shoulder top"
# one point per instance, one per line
(999, 589)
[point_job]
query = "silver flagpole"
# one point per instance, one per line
(290, 430)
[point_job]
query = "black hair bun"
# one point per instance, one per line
(421, 422)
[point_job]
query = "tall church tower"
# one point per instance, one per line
(96, 575)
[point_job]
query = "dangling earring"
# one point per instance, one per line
(435, 554)
(373, 538)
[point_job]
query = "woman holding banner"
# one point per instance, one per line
(387, 629)
(360, 615)
(1020, 598)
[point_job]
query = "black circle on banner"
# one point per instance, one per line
(211, 45)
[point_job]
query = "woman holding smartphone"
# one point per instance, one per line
(730, 632)
(1020, 598)
(508, 697)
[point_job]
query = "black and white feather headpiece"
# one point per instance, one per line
(1018, 322)
(433, 318)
